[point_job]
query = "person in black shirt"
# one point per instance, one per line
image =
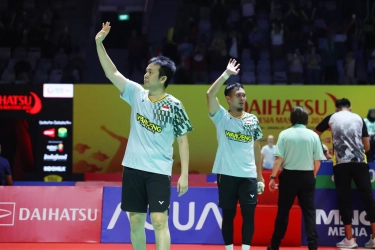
(350, 142)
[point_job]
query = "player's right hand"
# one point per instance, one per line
(233, 67)
(103, 33)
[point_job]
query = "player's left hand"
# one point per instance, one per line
(182, 185)
(260, 187)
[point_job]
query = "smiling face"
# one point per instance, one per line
(152, 81)
(237, 99)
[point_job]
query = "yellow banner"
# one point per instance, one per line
(101, 119)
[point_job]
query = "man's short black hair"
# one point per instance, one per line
(167, 68)
(230, 87)
(299, 115)
(342, 103)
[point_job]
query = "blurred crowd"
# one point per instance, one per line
(275, 41)
(35, 45)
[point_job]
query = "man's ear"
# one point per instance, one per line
(162, 79)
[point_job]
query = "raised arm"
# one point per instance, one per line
(109, 68)
(212, 101)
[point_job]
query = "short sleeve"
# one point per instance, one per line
(7, 167)
(263, 150)
(280, 150)
(257, 133)
(181, 122)
(218, 116)
(364, 130)
(323, 125)
(318, 148)
(131, 89)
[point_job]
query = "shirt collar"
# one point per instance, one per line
(299, 126)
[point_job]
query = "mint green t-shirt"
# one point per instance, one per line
(299, 147)
(236, 137)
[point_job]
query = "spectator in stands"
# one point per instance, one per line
(292, 18)
(185, 49)
(308, 12)
(5, 172)
(170, 49)
(296, 61)
(199, 64)
(277, 38)
(330, 63)
(313, 67)
(370, 123)
(350, 69)
(255, 40)
(310, 39)
(268, 153)
(276, 11)
(218, 52)
(369, 32)
(340, 39)
(65, 41)
(234, 45)
(298, 151)
(248, 9)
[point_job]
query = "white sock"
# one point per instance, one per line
(229, 247)
(245, 247)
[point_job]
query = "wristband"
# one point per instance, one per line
(225, 75)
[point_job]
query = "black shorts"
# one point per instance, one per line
(142, 189)
(231, 189)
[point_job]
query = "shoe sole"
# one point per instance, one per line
(353, 247)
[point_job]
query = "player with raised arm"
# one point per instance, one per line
(156, 118)
(238, 158)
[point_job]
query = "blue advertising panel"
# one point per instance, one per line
(194, 218)
(329, 226)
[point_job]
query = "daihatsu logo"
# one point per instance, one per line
(4, 213)
(7, 210)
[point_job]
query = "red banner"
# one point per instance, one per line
(50, 214)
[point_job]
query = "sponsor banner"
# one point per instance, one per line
(26, 101)
(326, 168)
(329, 226)
(212, 178)
(52, 177)
(271, 104)
(193, 218)
(325, 180)
(53, 90)
(56, 144)
(37, 124)
(50, 214)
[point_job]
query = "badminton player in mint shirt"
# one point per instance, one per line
(238, 158)
(156, 119)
